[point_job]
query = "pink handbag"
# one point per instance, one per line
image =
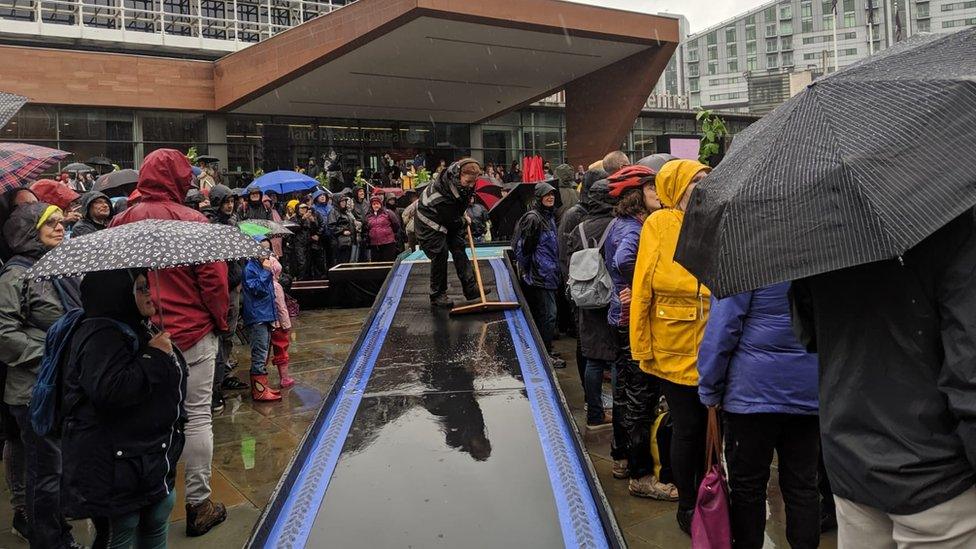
(710, 527)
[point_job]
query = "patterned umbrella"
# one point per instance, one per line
(150, 244)
(9, 105)
(20, 162)
(859, 167)
(264, 227)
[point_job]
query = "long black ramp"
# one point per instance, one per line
(441, 432)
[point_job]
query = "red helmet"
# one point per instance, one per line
(629, 177)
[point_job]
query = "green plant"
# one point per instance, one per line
(359, 181)
(191, 155)
(423, 177)
(713, 135)
(322, 179)
(258, 173)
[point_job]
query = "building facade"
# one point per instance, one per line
(752, 62)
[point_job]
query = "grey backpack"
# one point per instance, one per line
(590, 285)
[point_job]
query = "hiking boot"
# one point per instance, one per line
(621, 469)
(649, 487)
(21, 528)
(217, 404)
(232, 383)
(441, 302)
(202, 517)
(601, 424)
(260, 391)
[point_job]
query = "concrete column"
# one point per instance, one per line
(477, 144)
(602, 106)
(217, 138)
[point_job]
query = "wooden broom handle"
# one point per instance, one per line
(474, 259)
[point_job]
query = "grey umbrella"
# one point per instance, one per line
(150, 244)
(76, 167)
(119, 183)
(9, 105)
(859, 167)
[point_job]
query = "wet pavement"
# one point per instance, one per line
(253, 443)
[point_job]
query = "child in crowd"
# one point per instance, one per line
(259, 316)
(281, 330)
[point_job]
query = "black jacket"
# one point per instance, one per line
(897, 349)
(218, 194)
(123, 414)
(440, 215)
(87, 225)
(341, 222)
(479, 219)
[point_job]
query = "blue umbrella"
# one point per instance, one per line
(285, 181)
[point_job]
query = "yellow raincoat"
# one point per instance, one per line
(669, 307)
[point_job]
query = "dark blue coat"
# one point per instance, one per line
(751, 362)
(258, 292)
(620, 257)
(537, 249)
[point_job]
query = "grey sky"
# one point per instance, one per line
(700, 13)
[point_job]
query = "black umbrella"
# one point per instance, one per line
(207, 159)
(505, 214)
(859, 167)
(9, 105)
(77, 167)
(99, 161)
(119, 183)
(150, 244)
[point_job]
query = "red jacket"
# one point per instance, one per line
(194, 299)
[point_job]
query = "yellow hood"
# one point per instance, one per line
(674, 178)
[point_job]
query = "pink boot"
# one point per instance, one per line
(286, 380)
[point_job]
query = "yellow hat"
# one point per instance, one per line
(48, 212)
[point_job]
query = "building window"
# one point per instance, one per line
(788, 59)
(693, 69)
(923, 26)
(772, 61)
(751, 20)
(959, 23)
(786, 12)
(693, 84)
(771, 29)
(949, 7)
(750, 33)
(922, 10)
(751, 63)
(771, 44)
(848, 52)
(786, 43)
(712, 53)
(711, 39)
(806, 25)
(750, 48)
(806, 9)
(828, 22)
(786, 27)
(733, 65)
(692, 55)
(712, 68)
(731, 50)
(730, 35)
(770, 14)
(725, 96)
(850, 16)
(724, 81)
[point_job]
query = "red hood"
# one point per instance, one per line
(54, 192)
(165, 176)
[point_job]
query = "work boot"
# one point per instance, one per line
(441, 301)
(286, 380)
(232, 383)
(202, 517)
(21, 527)
(621, 469)
(260, 391)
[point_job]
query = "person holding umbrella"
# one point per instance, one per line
(27, 311)
(668, 311)
(195, 306)
(123, 390)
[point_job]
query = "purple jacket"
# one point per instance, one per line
(620, 256)
(382, 226)
(751, 362)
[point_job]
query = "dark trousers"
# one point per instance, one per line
(542, 305)
(827, 505)
(689, 419)
(593, 388)
(384, 252)
(438, 266)
(344, 255)
(635, 395)
(749, 443)
(42, 479)
(225, 342)
(316, 262)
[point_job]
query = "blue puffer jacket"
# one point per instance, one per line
(323, 211)
(259, 296)
(537, 249)
(620, 256)
(751, 362)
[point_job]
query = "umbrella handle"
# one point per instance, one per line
(159, 301)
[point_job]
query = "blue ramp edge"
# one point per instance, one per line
(579, 519)
(301, 506)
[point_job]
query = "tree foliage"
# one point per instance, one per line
(713, 135)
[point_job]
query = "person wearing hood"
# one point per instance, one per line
(322, 254)
(221, 211)
(96, 212)
(10, 200)
(568, 195)
(478, 215)
(390, 203)
(281, 328)
(259, 317)
(360, 205)
(342, 227)
(637, 391)
(536, 247)
(122, 399)
(440, 225)
(255, 207)
(305, 236)
(196, 200)
(668, 312)
(28, 308)
(382, 227)
(194, 301)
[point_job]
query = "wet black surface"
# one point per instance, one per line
(443, 447)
